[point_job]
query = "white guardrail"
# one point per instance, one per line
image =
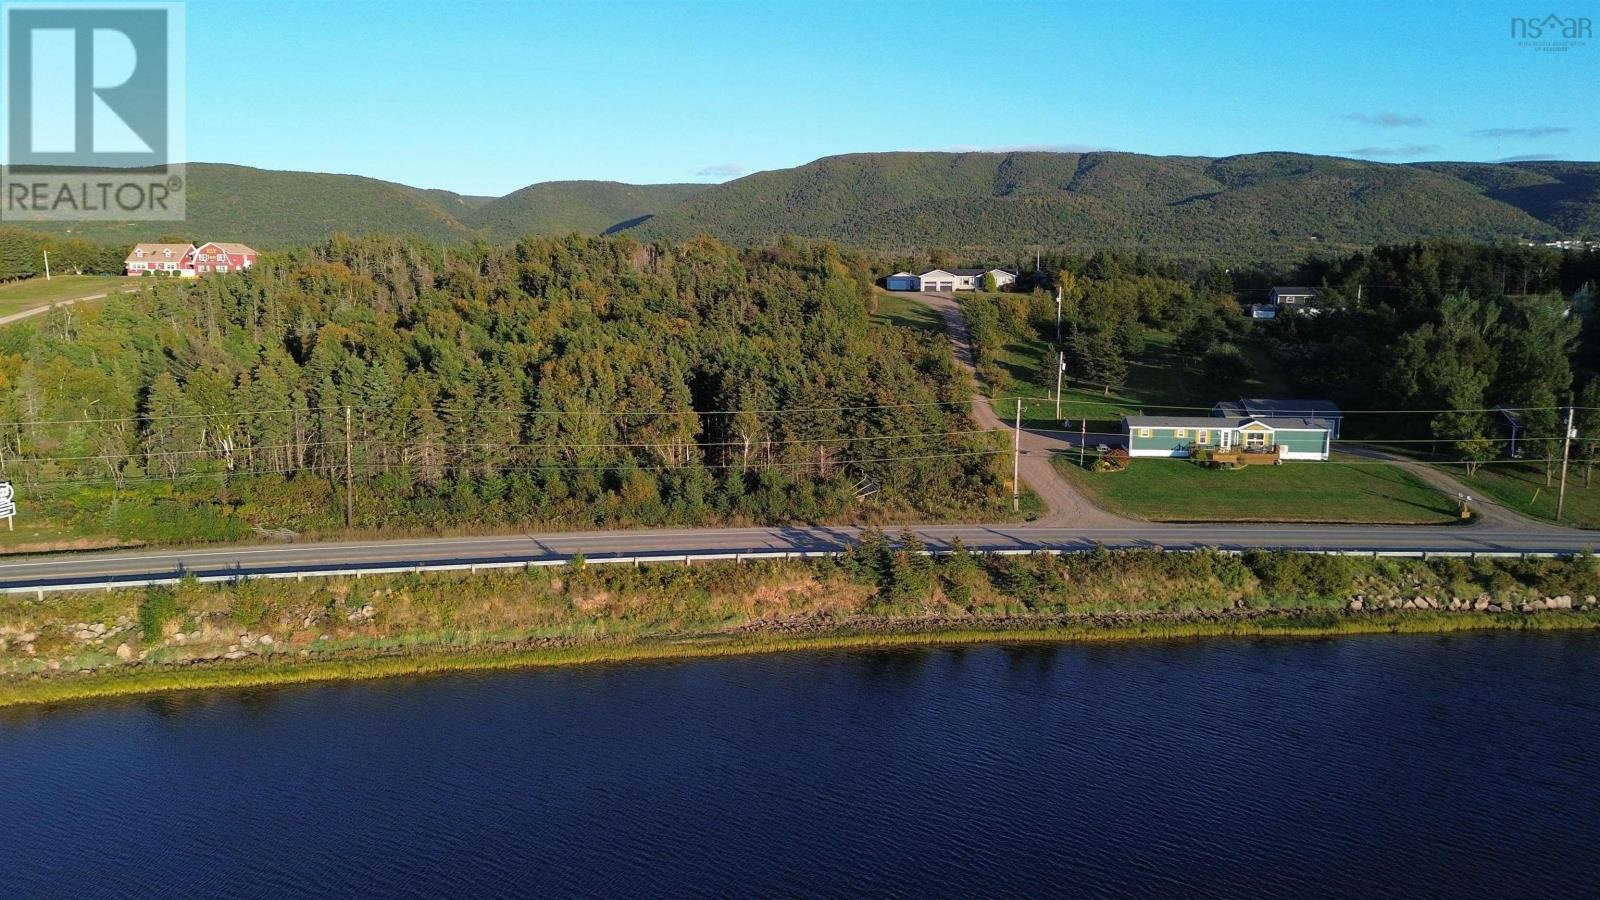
(684, 559)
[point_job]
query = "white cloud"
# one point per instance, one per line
(1531, 131)
(1399, 150)
(1387, 119)
(721, 170)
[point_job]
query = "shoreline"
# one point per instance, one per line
(1311, 622)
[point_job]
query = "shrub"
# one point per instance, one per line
(159, 607)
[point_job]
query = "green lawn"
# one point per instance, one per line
(1174, 490)
(1159, 381)
(21, 295)
(902, 309)
(1519, 486)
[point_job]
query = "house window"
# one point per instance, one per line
(1202, 436)
(1144, 432)
(1180, 432)
(1255, 440)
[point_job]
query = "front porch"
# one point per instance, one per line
(1237, 457)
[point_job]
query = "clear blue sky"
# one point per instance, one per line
(485, 97)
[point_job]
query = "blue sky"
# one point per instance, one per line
(485, 97)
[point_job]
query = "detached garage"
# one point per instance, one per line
(902, 281)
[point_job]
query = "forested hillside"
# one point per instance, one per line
(573, 381)
(1267, 205)
(272, 210)
(562, 207)
(1264, 206)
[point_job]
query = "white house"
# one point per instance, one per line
(947, 279)
(1293, 298)
(167, 259)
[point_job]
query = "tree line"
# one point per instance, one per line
(574, 380)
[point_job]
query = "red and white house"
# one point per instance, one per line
(222, 257)
(187, 260)
(161, 259)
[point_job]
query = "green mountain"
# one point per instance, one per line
(560, 207)
(1275, 203)
(1259, 205)
(271, 209)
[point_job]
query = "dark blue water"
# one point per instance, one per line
(1455, 766)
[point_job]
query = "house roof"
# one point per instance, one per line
(178, 250)
(1295, 290)
(1270, 407)
(225, 247)
(1276, 423)
(1511, 415)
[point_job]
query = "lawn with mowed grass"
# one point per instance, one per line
(1176, 490)
(20, 295)
(1160, 381)
(902, 309)
(1520, 487)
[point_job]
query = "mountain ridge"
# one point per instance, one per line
(1274, 203)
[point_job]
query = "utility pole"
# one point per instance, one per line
(1566, 448)
(1061, 368)
(1016, 461)
(47, 265)
(349, 497)
(1058, 317)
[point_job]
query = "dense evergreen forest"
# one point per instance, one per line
(575, 381)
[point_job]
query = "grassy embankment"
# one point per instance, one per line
(20, 295)
(1340, 490)
(1521, 487)
(1160, 380)
(88, 645)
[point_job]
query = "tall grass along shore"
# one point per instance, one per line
(192, 636)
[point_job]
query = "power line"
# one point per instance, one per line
(246, 414)
(595, 467)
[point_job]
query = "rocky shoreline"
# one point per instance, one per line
(1480, 603)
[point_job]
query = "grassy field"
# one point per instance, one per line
(1520, 487)
(1174, 490)
(1159, 381)
(22, 295)
(902, 309)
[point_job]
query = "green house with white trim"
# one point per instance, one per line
(1280, 438)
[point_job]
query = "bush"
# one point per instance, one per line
(1225, 366)
(159, 607)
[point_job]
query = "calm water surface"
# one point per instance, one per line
(1453, 766)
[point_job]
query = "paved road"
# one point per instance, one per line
(1072, 523)
(261, 559)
